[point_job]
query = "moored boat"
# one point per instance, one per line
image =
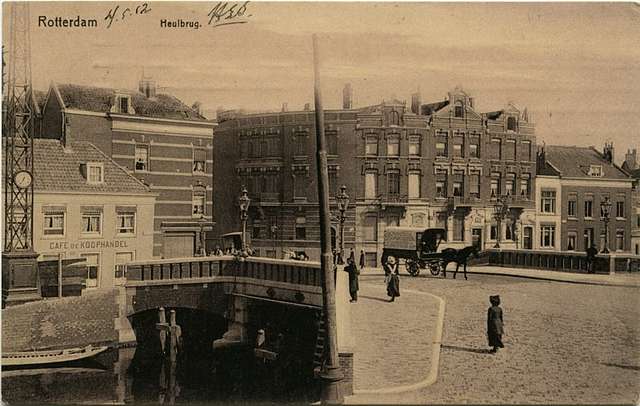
(23, 358)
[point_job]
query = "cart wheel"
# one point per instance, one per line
(412, 267)
(434, 268)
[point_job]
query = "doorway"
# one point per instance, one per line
(476, 237)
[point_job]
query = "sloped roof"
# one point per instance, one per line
(494, 115)
(429, 109)
(58, 170)
(100, 100)
(574, 162)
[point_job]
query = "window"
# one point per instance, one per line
(496, 148)
(370, 228)
(414, 146)
(256, 231)
(54, 221)
(394, 118)
(371, 147)
(474, 148)
(393, 146)
(495, 185)
(547, 236)
(458, 228)
(124, 104)
(509, 185)
(122, 258)
(441, 188)
(441, 149)
(95, 173)
(199, 160)
(300, 185)
(572, 239)
(458, 150)
(511, 150)
(474, 185)
(458, 109)
(126, 222)
(441, 222)
(572, 204)
(301, 228)
(509, 231)
(142, 158)
(300, 145)
(619, 240)
(526, 150)
(198, 201)
(93, 269)
(458, 189)
(92, 220)
(414, 185)
(524, 186)
(511, 124)
(370, 185)
(620, 209)
(264, 148)
(493, 233)
(588, 208)
(548, 203)
(595, 171)
(332, 143)
(333, 183)
(588, 237)
(393, 179)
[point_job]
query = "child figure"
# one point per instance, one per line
(495, 327)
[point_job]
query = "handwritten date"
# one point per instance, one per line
(118, 14)
(224, 14)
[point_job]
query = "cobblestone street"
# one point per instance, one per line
(565, 343)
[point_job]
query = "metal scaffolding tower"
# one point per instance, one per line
(19, 267)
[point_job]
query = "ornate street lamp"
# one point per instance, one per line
(343, 204)
(605, 210)
(500, 210)
(243, 202)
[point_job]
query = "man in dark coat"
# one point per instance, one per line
(362, 259)
(353, 272)
(591, 256)
(495, 327)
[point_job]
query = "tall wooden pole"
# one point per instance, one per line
(331, 374)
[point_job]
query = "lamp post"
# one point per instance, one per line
(243, 202)
(605, 210)
(500, 209)
(343, 204)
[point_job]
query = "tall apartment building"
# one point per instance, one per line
(159, 140)
(430, 165)
(572, 183)
(631, 166)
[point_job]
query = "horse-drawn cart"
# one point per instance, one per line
(416, 246)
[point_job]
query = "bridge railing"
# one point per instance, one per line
(569, 261)
(286, 271)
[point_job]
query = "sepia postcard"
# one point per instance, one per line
(217, 202)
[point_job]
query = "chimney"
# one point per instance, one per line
(347, 97)
(285, 107)
(147, 87)
(608, 151)
(471, 102)
(630, 158)
(307, 106)
(416, 102)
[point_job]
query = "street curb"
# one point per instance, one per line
(435, 361)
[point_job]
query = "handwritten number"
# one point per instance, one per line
(113, 13)
(222, 11)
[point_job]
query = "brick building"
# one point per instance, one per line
(85, 205)
(429, 165)
(577, 180)
(159, 140)
(631, 166)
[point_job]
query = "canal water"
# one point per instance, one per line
(142, 375)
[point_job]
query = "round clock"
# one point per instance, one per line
(23, 179)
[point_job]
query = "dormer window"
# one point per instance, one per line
(95, 173)
(458, 110)
(511, 124)
(123, 104)
(595, 171)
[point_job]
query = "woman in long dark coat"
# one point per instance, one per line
(392, 278)
(495, 327)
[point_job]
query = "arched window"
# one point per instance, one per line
(394, 118)
(458, 109)
(511, 124)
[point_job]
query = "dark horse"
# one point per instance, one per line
(459, 257)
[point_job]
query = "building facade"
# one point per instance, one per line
(87, 206)
(156, 138)
(425, 165)
(582, 179)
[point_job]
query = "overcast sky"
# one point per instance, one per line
(573, 65)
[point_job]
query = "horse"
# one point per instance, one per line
(459, 257)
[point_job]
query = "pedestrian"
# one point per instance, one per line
(591, 256)
(352, 255)
(353, 272)
(392, 278)
(362, 259)
(495, 327)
